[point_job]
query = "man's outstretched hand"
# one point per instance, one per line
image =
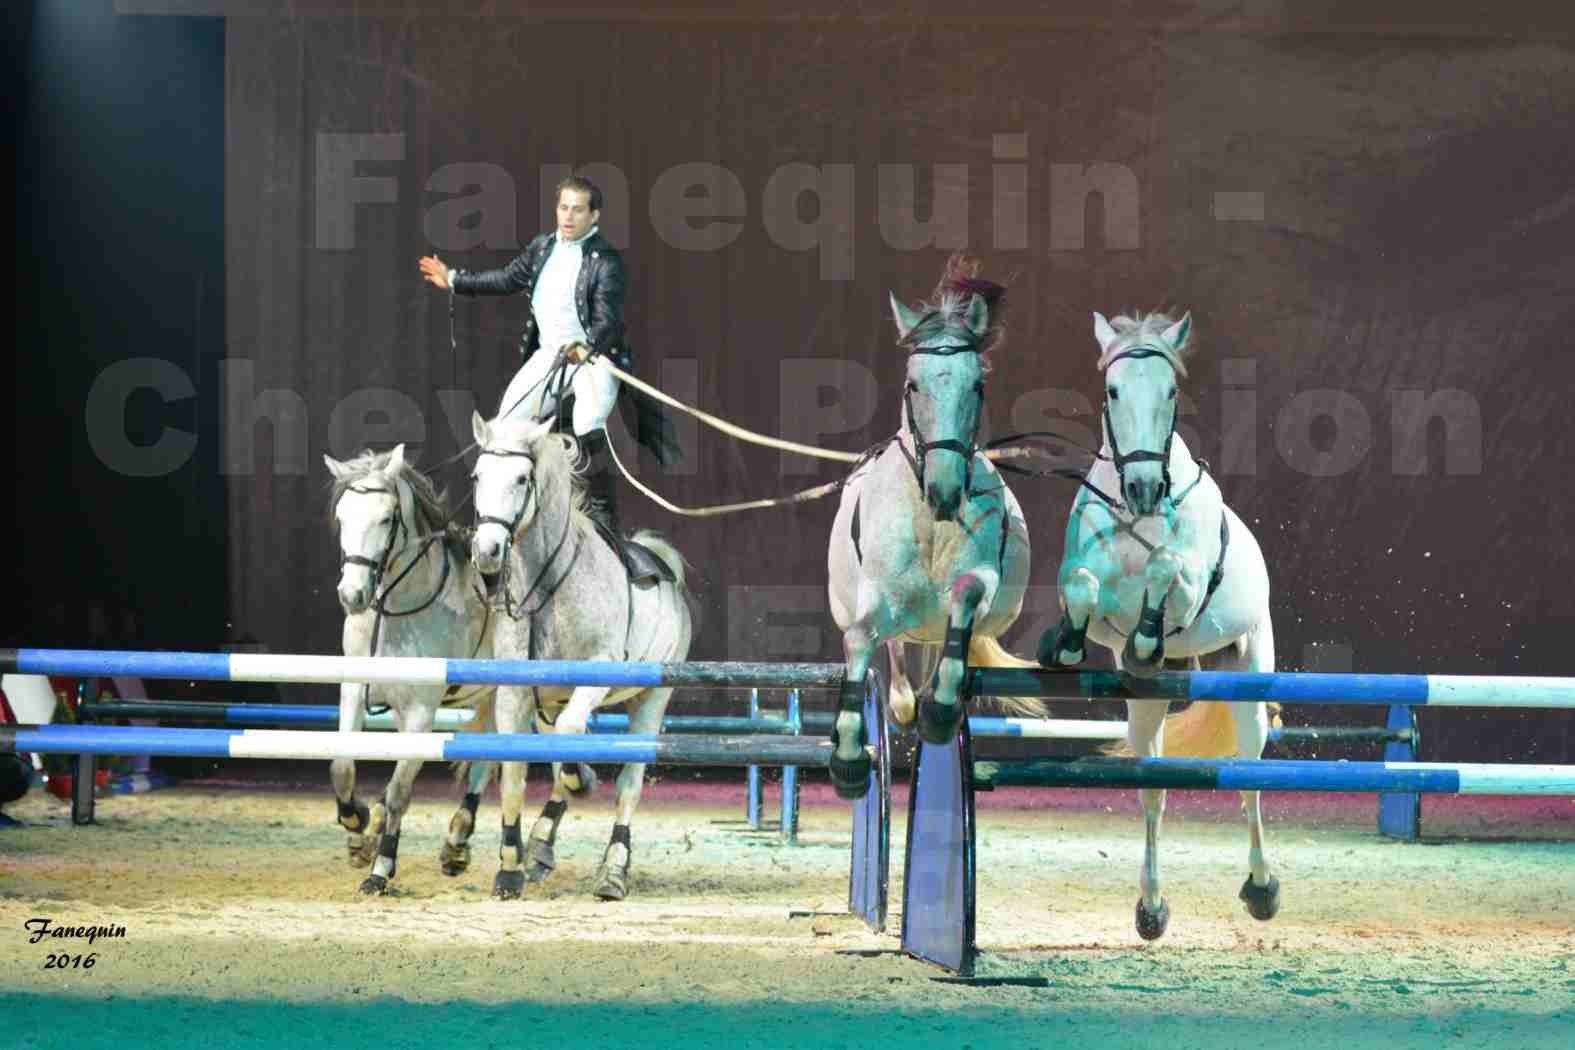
(433, 270)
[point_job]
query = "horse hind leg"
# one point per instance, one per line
(1146, 736)
(612, 875)
(901, 703)
(454, 858)
(1261, 890)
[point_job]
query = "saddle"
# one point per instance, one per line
(639, 562)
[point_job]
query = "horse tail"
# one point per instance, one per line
(675, 562)
(987, 652)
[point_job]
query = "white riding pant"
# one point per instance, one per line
(595, 391)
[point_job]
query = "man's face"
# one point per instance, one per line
(575, 217)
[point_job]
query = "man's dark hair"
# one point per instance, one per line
(583, 185)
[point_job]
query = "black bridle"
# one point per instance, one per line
(921, 448)
(1121, 459)
(518, 609)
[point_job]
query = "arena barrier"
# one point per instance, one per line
(938, 914)
(868, 880)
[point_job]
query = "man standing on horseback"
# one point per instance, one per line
(575, 279)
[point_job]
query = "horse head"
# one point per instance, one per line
(1143, 362)
(373, 513)
(943, 399)
(507, 486)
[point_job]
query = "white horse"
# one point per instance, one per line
(1156, 566)
(405, 580)
(929, 545)
(562, 592)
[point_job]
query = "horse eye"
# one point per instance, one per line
(1173, 394)
(914, 387)
(978, 387)
(388, 519)
(522, 479)
(474, 477)
(1113, 394)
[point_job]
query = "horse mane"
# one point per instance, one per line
(430, 503)
(1144, 329)
(948, 304)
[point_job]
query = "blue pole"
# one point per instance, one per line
(789, 829)
(752, 776)
(1400, 812)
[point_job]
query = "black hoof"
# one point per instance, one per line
(1062, 645)
(508, 885)
(851, 777)
(374, 886)
(1137, 666)
(539, 860)
(454, 860)
(587, 779)
(1263, 902)
(1151, 924)
(938, 722)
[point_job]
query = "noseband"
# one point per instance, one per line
(922, 448)
(1121, 459)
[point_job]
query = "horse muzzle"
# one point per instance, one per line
(354, 598)
(1144, 495)
(487, 549)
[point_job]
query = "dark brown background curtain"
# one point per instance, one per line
(1353, 211)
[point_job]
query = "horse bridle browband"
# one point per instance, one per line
(1121, 459)
(922, 448)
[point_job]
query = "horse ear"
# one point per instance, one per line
(396, 459)
(478, 428)
(336, 468)
(540, 430)
(1176, 335)
(906, 319)
(978, 319)
(1104, 333)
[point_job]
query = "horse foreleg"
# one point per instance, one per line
(354, 817)
(850, 762)
(455, 856)
(942, 713)
(1144, 655)
(513, 716)
(396, 800)
(1146, 735)
(612, 876)
(1064, 645)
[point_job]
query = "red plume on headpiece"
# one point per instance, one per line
(961, 278)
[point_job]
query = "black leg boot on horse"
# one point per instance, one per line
(601, 483)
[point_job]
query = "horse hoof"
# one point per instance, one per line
(938, 722)
(508, 885)
(851, 777)
(539, 860)
(453, 860)
(612, 882)
(362, 849)
(1052, 651)
(1151, 924)
(1263, 902)
(1140, 667)
(588, 782)
(374, 886)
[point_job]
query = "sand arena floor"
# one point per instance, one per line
(244, 928)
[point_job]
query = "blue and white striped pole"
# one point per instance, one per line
(417, 670)
(435, 747)
(1416, 690)
(1280, 775)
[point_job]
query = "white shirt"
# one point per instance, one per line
(553, 300)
